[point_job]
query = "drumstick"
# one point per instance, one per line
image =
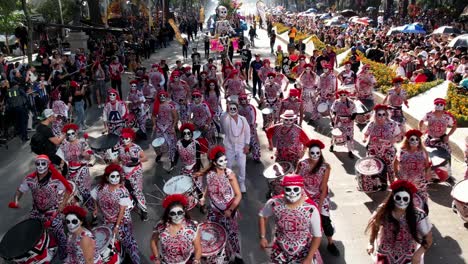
(155, 197)
(157, 187)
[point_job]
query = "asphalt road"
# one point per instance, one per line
(350, 209)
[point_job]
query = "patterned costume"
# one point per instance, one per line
(179, 94)
(109, 202)
(188, 156)
(436, 128)
(133, 169)
(313, 182)
(397, 246)
(221, 196)
(294, 231)
(248, 111)
(343, 120)
(288, 104)
(114, 114)
(61, 110)
(309, 86)
(272, 92)
(327, 85)
(138, 108)
(190, 79)
(75, 253)
(365, 85)
(165, 128)
(234, 87)
(177, 248)
(396, 100)
(157, 81)
(413, 169)
(214, 102)
(289, 142)
(200, 115)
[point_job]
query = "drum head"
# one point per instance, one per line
(267, 110)
(178, 185)
(21, 238)
(438, 156)
(104, 142)
(369, 166)
(196, 134)
(103, 236)
(278, 170)
(233, 98)
(322, 107)
(460, 191)
(336, 132)
(360, 107)
(213, 238)
(157, 142)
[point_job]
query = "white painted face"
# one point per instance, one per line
(233, 109)
(414, 141)
(288, 121)
(126, 141)
(133, 87)
(292, 193)
(71, 135)
(315, 153)
(114, 177)
(381, 114)
(162, 98)
(221, 162)
(402, 199)
(112, 97)
(42, 166)
(326, 70)
(439, 107)
(222, 11)
(72, 222)
(187, 134)
(176, 78)
(177, 214)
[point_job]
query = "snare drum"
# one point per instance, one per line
(440, 159)
(267, 111)
(196, 134)
(364, 111)
(213, 243)
(27, 242)
(322, 108)
(460, 199)
(109, 248)
(369, 174)
(274, 175)
(182, 185)
(337, 137)
(75, 196)
(158, 142)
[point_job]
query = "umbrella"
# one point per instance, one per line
(394, 30)
(461, 40)
(360, 20)
(446, 30)
(370, 9)
(311, 10)
(413, 28)
(333, 23)
(325, 16)
(348, 13)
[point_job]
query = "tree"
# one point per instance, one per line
(9, 19)
(51, 13)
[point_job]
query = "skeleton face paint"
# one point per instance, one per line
(72, 222)
(288, 122)
(162, 98)
(197, 99)
(294, 98)
(177, 214)
(42, 166)
(381, 114)
(127, 141)
(402, 199)
(232, 110)
(187, 134)
(439, 107)
(176, 78)
(222, 12)
(114, 177)
(414, 141)
(71, 135)
(133, 87)
(221, 162)
(325, 70)
(292, 193)
(315, 153)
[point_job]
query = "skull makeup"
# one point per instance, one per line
(222, 12)
(162, 98)
(315, 153)
(414, 141)
(197, 99)
(72, 222)
(293, 98)
(439, 107)
(126, 141)
(232, 109)
(381, 114)
(177, 214)
(288, 122)
(221, 162)
(187, 134)
(133, 87)
(112, 97)
(292, 193)
(176, 78)
(325, 70)
(42, 166)
(71, 135)
(402, 199)
(114, 177)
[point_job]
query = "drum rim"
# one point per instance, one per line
(42, 230)
(178, 176)
(108, 241)
(366, 158)
(267, 108)
(454, 188)
(321, 104)
(164, 140)
(279, 162)
(221, 228)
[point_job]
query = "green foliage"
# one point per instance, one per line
(51, 13)
(9, 16)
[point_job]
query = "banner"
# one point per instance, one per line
(202, 15)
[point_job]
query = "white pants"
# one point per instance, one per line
(236, 154)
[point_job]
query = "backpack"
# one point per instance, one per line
(37, 144)
(15, 98)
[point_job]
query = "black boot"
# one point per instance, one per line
(331, 148)
(144, 216)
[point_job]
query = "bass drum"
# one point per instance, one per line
(213, 243)
(364, 111)
(109, 248)
(460, 199)
(369, 174)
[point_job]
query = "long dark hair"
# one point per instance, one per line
(212, 166)
(384, 213)
(207, 89)
(165, 217)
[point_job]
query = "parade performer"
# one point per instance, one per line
(248, 111)
(365, 84)
(81, 244)
(50, 192)
(115, 204)
(176, 238)
(114, 113)
(234, 85)
(201, 116)
(297, 225)
(213, 74)
(202, 81)
(327, 85)
(347, 76)
(294, 103)
(157, 80)
(308, 82)
(316, 172)
(60, 109)
(212, 97)
(149, 92)
(225, 195)
(165, 119)
(131, 156)
(137, 105)
(412, 164)
(189, 78)
(236, 140)
(271, 100)
(179, 92)
(400, 233)
(395, 98)
(437, 123)
(76, 152)
(223, 26)
(300, 68)
(265, 70)
(281, 80)
(288, 138)
(238, 67)
(343, 113)
(382, 133)
(189, 150)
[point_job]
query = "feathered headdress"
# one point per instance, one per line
(70, 126)
(76, 210)
(402, 184)
(315, 142)
(169, 200)
(215, 150)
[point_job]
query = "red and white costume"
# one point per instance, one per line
(114, 114)
(234, 86)
(396, 99)
(288, 141)
(313, 183)
(60, 110)
(157, 80)
(290, 104)
(201, 116)
(327, 86)
(138, 107)
(165, 126)
(437, 127)
(365, 84)
(308, 81)
(343, 112)
(272, 100)
(189, 78)
(265, 70)
(179, 92)
(248, 111)
(75, 252)
(177, 248)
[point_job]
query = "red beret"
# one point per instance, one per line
(292, 180)
(440, 101)
(413, 132)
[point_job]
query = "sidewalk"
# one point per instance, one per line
(419, 104)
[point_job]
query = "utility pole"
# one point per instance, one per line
(29, 39)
